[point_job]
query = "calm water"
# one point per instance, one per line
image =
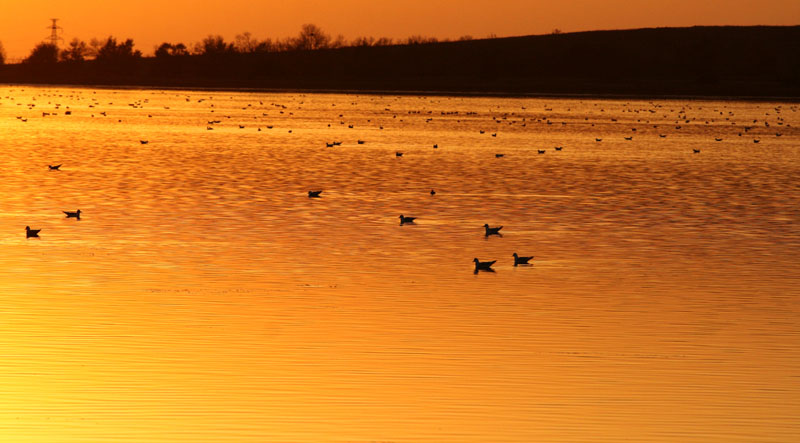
(204, 297)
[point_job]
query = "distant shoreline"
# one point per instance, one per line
(476, 94)
(742, 63)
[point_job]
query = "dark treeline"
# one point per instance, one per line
(713, 61)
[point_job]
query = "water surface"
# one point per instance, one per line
(204, 297)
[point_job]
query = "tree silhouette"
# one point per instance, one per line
(76, 52)
(311, 38)
(43, 53)
(214, 45)
(170, 50)
(114, 52)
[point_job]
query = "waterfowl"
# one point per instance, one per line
(404, 219)
(483, 265)
(398, 154)
(499, 155)
(492, 231)
(436, 146)
(433, 192)
(144, 142)
(628, 138)
(360, 142)
(696, 151)
(717, 139)
(314, 194)
(54, 167)
(76, 214)
(558, 148)
(541, 151)
(31, 232)
(521, 260)
(598, 139)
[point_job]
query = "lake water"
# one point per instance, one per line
(204, 297)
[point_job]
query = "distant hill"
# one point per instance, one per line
(753, 61)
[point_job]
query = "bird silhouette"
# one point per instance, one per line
(521, 260)
(31, 232)
(404, 219)
(492, 231)
(483, 265)
(76, 214)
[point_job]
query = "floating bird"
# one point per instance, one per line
(521, 260)
(492, 231)
(499, 155)
(756, 141)
(598, 139)
(144, 142)
(435, 146)
(717, 139)
(76, 214)
(404, 219)
(314, 194)
(696, 151)
(31, 232)
(398, 154)
(433, 192)
(54, 167)
(628, 138)
(559, 148)
(483, 265)
(360, 142)
(541, 151)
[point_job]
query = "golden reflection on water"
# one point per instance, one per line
(204, 297)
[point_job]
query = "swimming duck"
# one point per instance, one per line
(314, 194)
(31, 232)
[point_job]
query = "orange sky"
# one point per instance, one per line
(149, 22)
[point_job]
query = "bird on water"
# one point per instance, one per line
(70, 214)
(314, 194)
(404, 219)
(521, 260)
(483, 265)
(31, 232)
(54, 167)
(492, 231)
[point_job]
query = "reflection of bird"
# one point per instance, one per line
(31, 232)
(76, 214)
(521, 260)
(54, 167)
(483, 265)
(492, 231)
(404, 219)
(314, 194)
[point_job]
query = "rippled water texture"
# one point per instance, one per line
(204, 297)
